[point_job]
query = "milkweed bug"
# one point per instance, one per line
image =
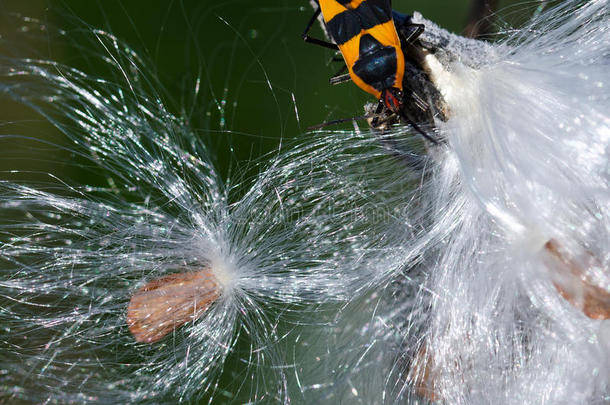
(364, 32)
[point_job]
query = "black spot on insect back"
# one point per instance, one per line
(377, 63)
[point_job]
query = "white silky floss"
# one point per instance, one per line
(518, 195)
(286, 250)
(526, 163)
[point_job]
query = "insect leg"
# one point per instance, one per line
(419, 29)
(375, 123)
(316, 41)
(409, 32)
(340, 76)
(340, 79)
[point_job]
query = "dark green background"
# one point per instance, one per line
(248, 54)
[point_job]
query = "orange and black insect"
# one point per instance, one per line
(364, 32)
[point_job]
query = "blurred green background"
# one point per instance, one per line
(260, 83)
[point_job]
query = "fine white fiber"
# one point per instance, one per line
(530, 137)
(510, 302)
(516, 301)
(80, 262)
(356, 267)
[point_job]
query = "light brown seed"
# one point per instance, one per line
(423, 377)
(571, 281)
(166, 303)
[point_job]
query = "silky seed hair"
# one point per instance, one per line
(141, 288)
(508, 302)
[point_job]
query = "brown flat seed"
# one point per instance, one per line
(422, 376)
(571, 281)
(168, 302)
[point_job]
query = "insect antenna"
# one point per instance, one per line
(417, 128)
(339, 121)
